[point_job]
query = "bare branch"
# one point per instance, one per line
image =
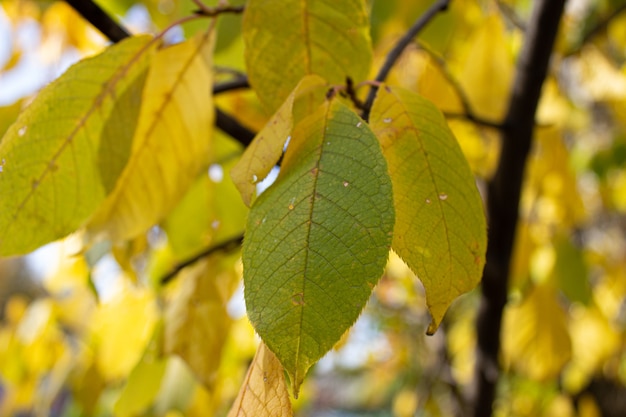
(226, 246)
(207, 11)
(396, 52)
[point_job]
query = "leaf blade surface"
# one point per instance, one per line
(318, 239)
(288, 39)
(66, 150)
(171, 144)
(440, 227)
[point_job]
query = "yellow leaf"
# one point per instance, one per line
(536, 340)
(122, 328)
(288, 39)
(196, 322)
(171, 143)
(488, 69)
(267, 147)
(264, 392)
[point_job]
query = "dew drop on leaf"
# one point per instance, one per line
(21, 131)
(443, 196)
(346, 183)
(359, 124)
(387, 120)
(254, 179)
(428, 201)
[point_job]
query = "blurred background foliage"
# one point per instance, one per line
(93, 332)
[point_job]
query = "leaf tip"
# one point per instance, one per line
(432, 328)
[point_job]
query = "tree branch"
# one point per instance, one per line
(99, 19)
(396, 52)
(233, 128)
(225, 246)
(504, 194)
(235, 84)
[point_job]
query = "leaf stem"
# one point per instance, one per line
(396, 52)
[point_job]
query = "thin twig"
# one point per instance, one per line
(468, 112)
(225, 246)
(601, 25)
(232, 127)
(396, 52)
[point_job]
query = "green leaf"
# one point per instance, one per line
(65, 151)
(571, 271)
(267, 147)
(171, 143)
(288, 39)
(440, 227)
(318, 239)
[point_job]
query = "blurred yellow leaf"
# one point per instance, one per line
(536, 340)
(122, 328)
(488, 69)
(171, 143)
(263, 392)
(196, 321)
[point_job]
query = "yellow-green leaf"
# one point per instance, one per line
(440, 227)
(171, 144)
(267, 146)
(141, 388)
(288, 39)
(65, 152)
(318, 239)
(263, 392)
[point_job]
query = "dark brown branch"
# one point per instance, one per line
(99, 19)
(396, 52)
(504, 194)
(226, 246)
(236, 84)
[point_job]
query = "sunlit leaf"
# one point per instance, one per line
(64, 153)
(440, 227)
(196, 322)
(263, 392)
(171, 144)
(267, 147)
(318, 239)
(288, 39)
